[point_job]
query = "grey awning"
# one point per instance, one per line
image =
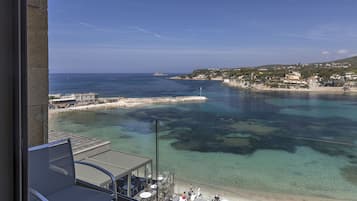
(122, 160)
(118, 163)
(93, 176)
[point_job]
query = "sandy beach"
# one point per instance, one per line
(208, 192)
(132, 102)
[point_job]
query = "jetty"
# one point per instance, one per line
(120, 102)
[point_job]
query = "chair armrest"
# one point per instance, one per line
(58, 170)
(37, 194)
(114, 184)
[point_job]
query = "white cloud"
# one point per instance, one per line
(342, 51)
(142, 30)
(92, 27)
(88, 25)
(325, 52)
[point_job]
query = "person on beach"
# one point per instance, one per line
(216, 198)
(199, 192)
(190, 192)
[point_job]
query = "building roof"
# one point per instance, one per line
(118, 163)
(122, 160)
(62, 100)
(93, 176)
(98, 152)
(80, 144)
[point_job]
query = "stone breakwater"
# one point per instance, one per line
(131, 102)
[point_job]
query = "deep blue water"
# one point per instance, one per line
(128, 85)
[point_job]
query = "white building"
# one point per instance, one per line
(226, 81)
(313, 81)
(85, 98)
(294, 79)
(335, 77)
(54, 96)
(262, 69)
(62, 102)
(350, 76)
(293, 76)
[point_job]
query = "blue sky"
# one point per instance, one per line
(133, 36)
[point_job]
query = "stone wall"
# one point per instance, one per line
(37, 75)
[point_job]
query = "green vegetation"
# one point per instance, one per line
(351, 60)
(272, 75)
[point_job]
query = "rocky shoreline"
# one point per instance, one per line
(260, 87)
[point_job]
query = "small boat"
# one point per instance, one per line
(158, 74)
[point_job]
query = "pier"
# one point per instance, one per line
(108, 103)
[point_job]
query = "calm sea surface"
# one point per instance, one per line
(297, 143)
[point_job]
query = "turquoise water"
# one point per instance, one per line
(275, 142)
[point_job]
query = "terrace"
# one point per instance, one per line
(133, 174)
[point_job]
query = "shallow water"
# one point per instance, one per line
(277, 142)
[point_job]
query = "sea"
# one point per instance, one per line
(279, 142)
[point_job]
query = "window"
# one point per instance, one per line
(200, 100)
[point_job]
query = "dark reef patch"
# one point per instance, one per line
(349, 172)
(125, 136)
(204, 131)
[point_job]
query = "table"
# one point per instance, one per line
(145, 195)
(154, 186)
(160, 178)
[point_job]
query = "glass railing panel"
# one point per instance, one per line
(243, 144)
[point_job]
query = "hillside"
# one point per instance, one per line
(351, 60)
(329, 73)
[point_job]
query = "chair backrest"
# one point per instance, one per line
(51, 167)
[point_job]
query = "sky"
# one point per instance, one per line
(178, 36)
